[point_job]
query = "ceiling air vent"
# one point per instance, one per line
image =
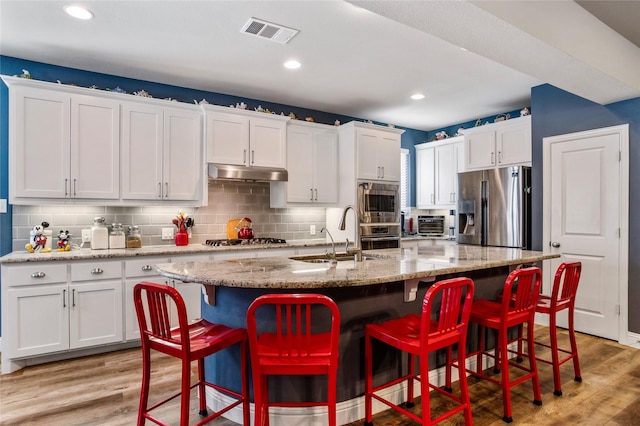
(273, 32)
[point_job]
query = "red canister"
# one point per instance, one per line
(410, 225)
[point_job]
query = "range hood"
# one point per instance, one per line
(259, 174)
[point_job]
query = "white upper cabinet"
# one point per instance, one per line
(425, 176)
(366, 152)
(437, 167)
(499, 144)
(378, 155)
(312, 165)
(62, 145)
(79, 145)
(162, 152)
(245, 138)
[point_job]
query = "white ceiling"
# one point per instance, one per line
(359, 58)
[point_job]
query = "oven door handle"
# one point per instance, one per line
(379, 238)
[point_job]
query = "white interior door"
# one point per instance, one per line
(583, 200)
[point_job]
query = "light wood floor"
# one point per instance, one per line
(104, 390)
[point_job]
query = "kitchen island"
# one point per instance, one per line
(390, 284)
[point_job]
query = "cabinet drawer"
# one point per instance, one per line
(89, 271)
(142, 267)
(35, 273)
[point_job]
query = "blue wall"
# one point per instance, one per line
(558, 112)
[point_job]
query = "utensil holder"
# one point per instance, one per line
(182, 238)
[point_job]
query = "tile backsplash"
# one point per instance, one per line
(227, 200)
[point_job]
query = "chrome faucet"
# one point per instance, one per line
(357, 250)
(333, 257)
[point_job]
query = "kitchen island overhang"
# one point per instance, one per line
(366, 292)
(429, 259)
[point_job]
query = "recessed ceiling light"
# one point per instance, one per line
(78, 12)
(417, 96)
(292, 65)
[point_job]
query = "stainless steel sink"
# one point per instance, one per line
(323, 258)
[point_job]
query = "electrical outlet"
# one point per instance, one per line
(167, 233)
(86, 236)
(312, 230)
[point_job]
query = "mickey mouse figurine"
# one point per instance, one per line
(64, 243)
(38, 240)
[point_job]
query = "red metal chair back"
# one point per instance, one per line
(155, 325)
(452, 319)
(564, 290)
(520, 302)
(294, 336)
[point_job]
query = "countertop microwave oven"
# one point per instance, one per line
(431, 225)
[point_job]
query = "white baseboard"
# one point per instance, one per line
(347, 411)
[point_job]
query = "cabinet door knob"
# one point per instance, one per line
(147, 268)
(97, 271)
(38, 275)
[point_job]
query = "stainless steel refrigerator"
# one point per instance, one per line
(494, 207)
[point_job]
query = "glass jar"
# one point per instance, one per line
(116, 237)
(99, 235)
(134, 239)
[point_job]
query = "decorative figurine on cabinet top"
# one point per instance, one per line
(64, 241)
(524, 112)
(37, 239)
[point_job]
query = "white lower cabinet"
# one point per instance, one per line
(46, 318)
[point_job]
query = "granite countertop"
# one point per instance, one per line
(429, 259)
(159, 250)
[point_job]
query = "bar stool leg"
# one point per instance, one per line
(244, 350)
(574, 347)
(555, 359)
(144, 391)
(184, 395)
(368, 380)
(533, 366)
(447, 374)
(202, 397)
(331, 399)
(502, 342)
(412, 371)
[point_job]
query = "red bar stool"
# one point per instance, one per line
(420, 335)
(517, 307)
(563, 296)
(292, 348)
(188, 342)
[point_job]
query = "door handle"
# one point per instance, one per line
(166, 189)
(159, 189)
(554, 244)
(311, 199)
(66, 182)
(316, 190)
(244, 156)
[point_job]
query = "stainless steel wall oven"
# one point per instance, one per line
(379, 207)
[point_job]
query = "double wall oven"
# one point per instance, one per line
(379, 207)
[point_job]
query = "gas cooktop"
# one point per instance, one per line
(251, 241)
